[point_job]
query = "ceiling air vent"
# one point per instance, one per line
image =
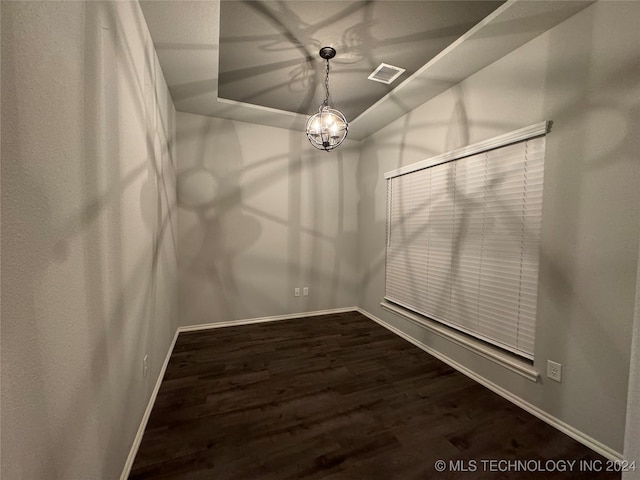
(386, 73)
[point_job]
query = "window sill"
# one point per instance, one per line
(521, 367)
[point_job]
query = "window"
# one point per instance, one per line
(463, 233)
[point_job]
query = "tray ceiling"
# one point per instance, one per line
(257, 61)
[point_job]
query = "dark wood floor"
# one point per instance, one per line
(333, 397)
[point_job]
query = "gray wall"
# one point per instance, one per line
(583, 75)
(260, 213)
(90, 232)
(88, 235)
(632, 432)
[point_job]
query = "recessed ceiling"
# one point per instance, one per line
(269, 49)
(257, 61)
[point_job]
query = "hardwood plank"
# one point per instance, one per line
(332, 397)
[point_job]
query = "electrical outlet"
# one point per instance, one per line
(145, 366)
(296, 292)
(305, 291)
(554, 371)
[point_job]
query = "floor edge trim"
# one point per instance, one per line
(558, 424)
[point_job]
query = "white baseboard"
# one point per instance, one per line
(558, 424)
(145, 418)
(277, 318)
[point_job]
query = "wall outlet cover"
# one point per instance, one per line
(554, 371)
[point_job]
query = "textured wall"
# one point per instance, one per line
(260, 213)
(88, 235)
(582, 74)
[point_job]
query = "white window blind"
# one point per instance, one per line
(463, 239)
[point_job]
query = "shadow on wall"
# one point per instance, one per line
(211, 191)
(78, 357)
(593, 134)
(587, 222)
(261, 213)
(457, 135)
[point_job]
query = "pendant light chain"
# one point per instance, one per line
(326, 85)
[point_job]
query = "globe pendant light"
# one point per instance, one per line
(328, 128)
